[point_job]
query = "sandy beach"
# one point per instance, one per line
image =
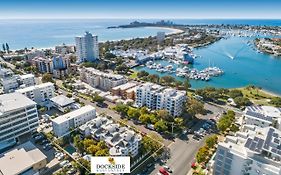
(173, 30)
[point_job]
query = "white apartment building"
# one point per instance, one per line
(10, 84)
(74, 119)
(27, 80)
(41, 93)
(101, 80)
(254, 151)
(120, 140)
(18, 116)
(172, 100)
(87, 47)
(157, 97)
(8, 80)
(263, 116)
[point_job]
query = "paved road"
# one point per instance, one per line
(182, 153)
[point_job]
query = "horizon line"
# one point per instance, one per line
(164, 18)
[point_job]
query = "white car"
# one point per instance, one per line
(167, 168)
(64, 163)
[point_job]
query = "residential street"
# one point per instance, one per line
(182, 154)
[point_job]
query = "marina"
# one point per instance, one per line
(239, 60)
(186, 72)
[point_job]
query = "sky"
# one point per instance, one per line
(141, 9)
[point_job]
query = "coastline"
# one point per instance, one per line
(173, 30)
(270, 93)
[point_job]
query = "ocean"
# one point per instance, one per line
(248, 66)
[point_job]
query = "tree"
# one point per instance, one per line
(80, 168)
(276, 101)
(103, 152)
(88, 142)
(133, 113)
(186, 84)
(242, 101)
(144, 118)
(4, 47)
(109, 55)
(226, 121)
(47, 78)
(121, 108)
(235, 93)
(78, 143)
(195, 107)
(144, 110)
(211, 141)
(69, 95)
(142, 74)
(179, 121)
(164, 114)
(93, 149)
(153, 119)
(149, 145)
(122, 69)
(201, 155)
(160, 126)
(153, 78)
(98, 98)
(167, 80)
(7, 48)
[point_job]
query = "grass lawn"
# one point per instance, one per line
(256, 95)
(134, 75)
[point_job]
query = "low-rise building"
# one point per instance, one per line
(41, 93)
(101, 80)
(64, 49)
(253, 151)
(157, 97)
(263, 116)
(121, 90)
(18, 116)
(63, 103)
(120, 140)
(11, 82)
(74, 119)
(24, 159)
(8, 80)
(27, 80)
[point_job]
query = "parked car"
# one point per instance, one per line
(71, 171)
(150, 126)
(64, 163)
(167, 168)
(163, 171)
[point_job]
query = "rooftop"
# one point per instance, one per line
(20, 159)
(31, 88)
(73, 114)
(26, 76)
(100, 73)
(62, 100)
(125, 86)
(13, 101)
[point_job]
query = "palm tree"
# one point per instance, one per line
(7, 48)
(4, 48)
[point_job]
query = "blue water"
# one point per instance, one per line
(248, 67)
(48, 33)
